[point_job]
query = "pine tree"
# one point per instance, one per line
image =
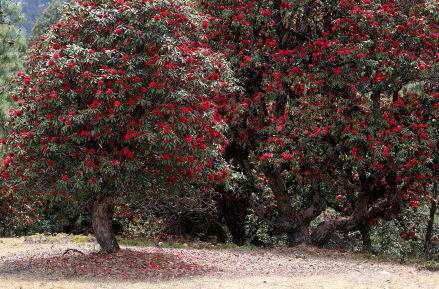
(50, 16)
(12, 46)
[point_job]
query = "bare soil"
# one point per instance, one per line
(48, 263)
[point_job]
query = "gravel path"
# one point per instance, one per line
(42, 265)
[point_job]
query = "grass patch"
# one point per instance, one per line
(139, 242)
(374, 257)
(45, 238)
(57, 238)
(418, 261)
(225, 246)
(81, 239)
(431, 266)
(145, 242)
(230, 246)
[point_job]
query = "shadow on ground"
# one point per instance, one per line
(126, 265)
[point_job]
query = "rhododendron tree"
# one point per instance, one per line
(337, 109)
(118, 99)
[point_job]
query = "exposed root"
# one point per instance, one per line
(72, 250)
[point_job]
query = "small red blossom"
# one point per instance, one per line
(286, 5)
(265, 156)
(7, 161)
(154, 85)
(188, 138)
(126, 152)
(5, 175)
(166, 156)
(337, 70)
(386, 151)
(15, 112)
(214, 76)
(379, 77)
(118, 31)
(414, 204)
(130, 134)
(84, 133)
(206, 105)
(117, 103)
(286, 156)
(265, 12)
(95, 104)
(89, 163)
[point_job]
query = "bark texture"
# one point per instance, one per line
(103, 226)
(233, 210)
(428, 245)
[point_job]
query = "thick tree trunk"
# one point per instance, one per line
(103, 226)
(296, 223)
(357, 221)
(233, 209)
(304, 218)
(323, 233)
(365, 236)
(429, 231)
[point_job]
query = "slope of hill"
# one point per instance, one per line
(32, 9)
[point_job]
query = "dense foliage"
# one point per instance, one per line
(12, 45)
(332, 130)
(337, 110)
(108, 108)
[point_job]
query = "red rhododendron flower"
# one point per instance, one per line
(266, 156)
(126, 152)
(117, 103)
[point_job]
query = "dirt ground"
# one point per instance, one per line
(26, 263)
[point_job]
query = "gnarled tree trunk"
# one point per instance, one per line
(365, 237)
(103, 225)
(296, 223)
(323, 233)
(233, 209)
(356, 222)
(429, 231)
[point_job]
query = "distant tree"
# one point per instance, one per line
(48, 17)
(32, 9)
(118, 99)
(12, 45)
